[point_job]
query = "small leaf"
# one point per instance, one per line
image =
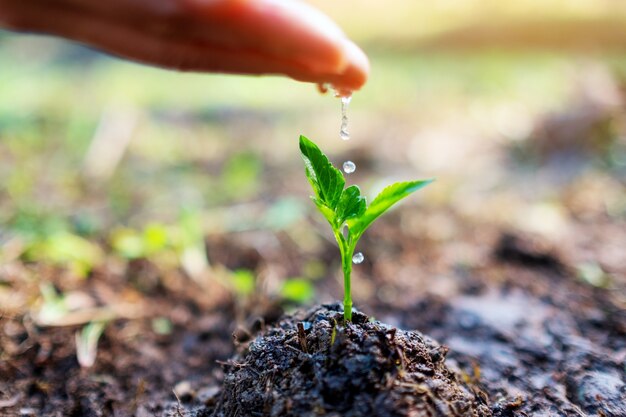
(326, 180)
(327, 212)
(383, 201)
(351, 204)
(87, 343)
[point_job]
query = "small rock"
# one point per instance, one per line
(183, 391)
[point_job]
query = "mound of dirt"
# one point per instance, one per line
(313, 364)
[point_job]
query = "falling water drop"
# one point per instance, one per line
(343, 132)
(358, 258)
(349, 167)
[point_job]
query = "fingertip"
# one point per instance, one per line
(290, 36)
(359, 69)
(356, 72)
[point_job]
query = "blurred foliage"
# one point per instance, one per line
(79, 255)
(243, 282)
(462, 90)
(241, 175)
(132, 244)
(53, 306)
(297, 290)
(162, 325)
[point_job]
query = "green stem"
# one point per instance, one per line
(347, 297)
(346, 247)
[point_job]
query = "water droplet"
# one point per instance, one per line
(349, 167)
(343, 132)
(358, 258)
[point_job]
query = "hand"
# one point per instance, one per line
(232, 36)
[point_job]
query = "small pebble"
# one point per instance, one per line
(183, 390)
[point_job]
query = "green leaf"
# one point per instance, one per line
(328, 213)
(326, 180)
(351, 204)
(383, 201)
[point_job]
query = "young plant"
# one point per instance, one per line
(345, 208)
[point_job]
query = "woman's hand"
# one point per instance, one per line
(231, 36)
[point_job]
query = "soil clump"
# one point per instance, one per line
(313, 364)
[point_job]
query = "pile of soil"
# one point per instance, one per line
(315, 364)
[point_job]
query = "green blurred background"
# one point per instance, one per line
(516, 107)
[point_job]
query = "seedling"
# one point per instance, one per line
(87, 343)
(345, 208)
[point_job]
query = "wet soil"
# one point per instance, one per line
(539, 342)
(525, 337)
(315, 364)
(135, 373)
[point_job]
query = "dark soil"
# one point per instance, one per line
(540, 342)
(519, 325)
(313, 364)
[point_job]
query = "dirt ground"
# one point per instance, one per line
(519, 323)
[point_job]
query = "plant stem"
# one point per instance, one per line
(346, 247)
(347, 298)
